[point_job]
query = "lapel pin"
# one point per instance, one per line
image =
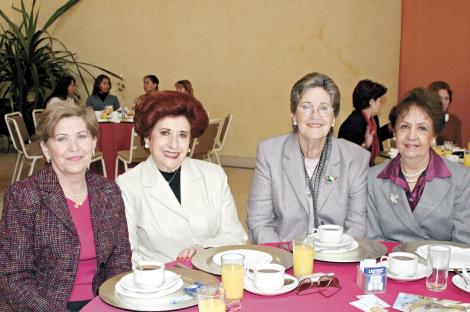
(330, 179)
(394, 198)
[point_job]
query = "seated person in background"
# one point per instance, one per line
(418, 195)
(308, 178)
(362, 125)
(453, 125)
(100, 97)
(151, 83)
(175, 205)
(184, 86)
(63, 231)
(63, 91)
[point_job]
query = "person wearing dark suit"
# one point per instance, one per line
(63, 231)
(418, 195)
(362, 125)
(100, 97)
(308, 178)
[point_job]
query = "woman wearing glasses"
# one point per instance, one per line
(308, 178)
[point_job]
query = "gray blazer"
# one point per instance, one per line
(442, 213)
(277, 204)
(95, 102)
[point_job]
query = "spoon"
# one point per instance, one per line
(456, 271)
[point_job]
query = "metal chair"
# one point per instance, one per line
(220, 142)
(36, 115)
(99, 157)
(202, 147)
(26, 151)
(135, 154)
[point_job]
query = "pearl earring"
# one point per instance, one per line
(146, 145)
(294, 122)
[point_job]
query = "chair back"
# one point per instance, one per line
(205, 144)
(224, 131)
(136, 149)
(18, 131)
(36, 116)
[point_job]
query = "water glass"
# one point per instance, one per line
(448, 145)
(232, 275)
(438, 267)
(303, 256)
(211, 299)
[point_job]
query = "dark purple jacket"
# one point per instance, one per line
(39, 244)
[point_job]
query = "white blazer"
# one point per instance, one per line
(160, 227)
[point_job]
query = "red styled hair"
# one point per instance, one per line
(153, 106)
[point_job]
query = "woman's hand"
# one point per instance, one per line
(189, 252)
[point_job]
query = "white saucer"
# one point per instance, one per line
(460, 283)
(421, 272)
(127, 283)
(337, 250)
(158, 294)
(249, 285)
(252, 257)
(345, 242)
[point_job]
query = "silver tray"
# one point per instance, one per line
(413, 245)
(368, 249)
(203, 259)
(111, 297)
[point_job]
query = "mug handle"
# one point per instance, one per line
(250, 273)
(382, 259)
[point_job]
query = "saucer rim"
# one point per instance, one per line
(148, 296)
(462, 288)
(283, 290)
(148, 290)
(333, 245)
(414, 277)
(242, 251)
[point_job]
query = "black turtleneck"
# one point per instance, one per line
(173, 179)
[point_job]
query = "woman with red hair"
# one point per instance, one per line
(175, 205)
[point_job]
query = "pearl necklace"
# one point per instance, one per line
(78, 199)
(412, 177)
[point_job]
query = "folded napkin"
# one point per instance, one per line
(458, 256)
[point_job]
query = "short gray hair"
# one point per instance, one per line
(314, 80)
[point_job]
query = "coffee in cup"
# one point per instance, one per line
(267, 277)
(330, 233)
(149, 274)
(401, 263)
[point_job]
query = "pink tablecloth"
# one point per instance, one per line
(346, 272)
(113, 137)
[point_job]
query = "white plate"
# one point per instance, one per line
(249, 285)
(345, 242)
(460, 283)
(153, 295)
(421, 272)
(336, 250)
(127, 283)
(458, 256)
(252, 257)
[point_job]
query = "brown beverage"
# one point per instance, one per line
(403, 258)
(268, 271)
(148, 267)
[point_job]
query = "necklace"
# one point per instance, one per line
(78, 199)
(174, 175)
(412, 177)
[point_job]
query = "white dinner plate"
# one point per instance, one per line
(127, 282)
(249, 285)
(421, 272)
(458, 281)
(153, 295)
(345, 242)
(458, 256)
(336, 250)
(252, 257)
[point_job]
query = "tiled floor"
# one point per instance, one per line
(238, 179)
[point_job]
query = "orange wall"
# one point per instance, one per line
(435, 45)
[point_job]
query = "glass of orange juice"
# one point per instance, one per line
(211, 299)
(466, 158)
(303, 256)
(232, 275)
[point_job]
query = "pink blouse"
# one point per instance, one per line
(82, 287)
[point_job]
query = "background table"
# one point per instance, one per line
(113, 137)
(346, 272)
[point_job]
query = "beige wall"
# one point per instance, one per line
(241, 56)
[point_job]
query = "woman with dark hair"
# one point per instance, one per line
(151, 83)
(418, 195)
(63, 230)
(453, 125)
(63, 91)
(362, 125)
(308, 178)
(175, 205)
(184, 86)
(100, 97)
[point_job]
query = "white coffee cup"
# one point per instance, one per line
(115, 116)
(401, 263)
(149, 274)
(267, 277)
(330, 233)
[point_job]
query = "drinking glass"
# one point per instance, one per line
(448, 147)
(303, 256)
(438, 267)
(466, 158)
(211, 299)
(232, 275)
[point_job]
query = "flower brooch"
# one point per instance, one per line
(330, 179)
(394, 198)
